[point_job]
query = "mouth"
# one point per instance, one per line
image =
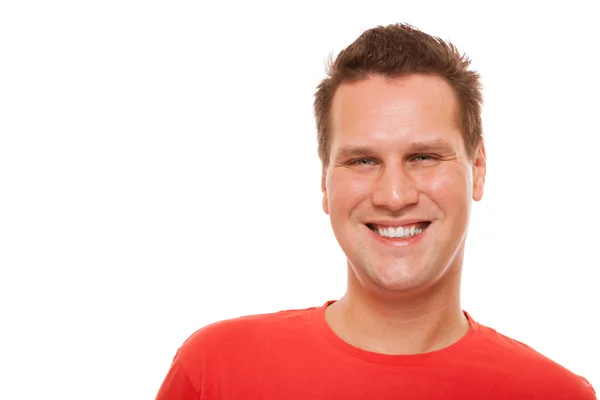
(399, 232)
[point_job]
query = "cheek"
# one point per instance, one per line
(449, 188)
(345, 193)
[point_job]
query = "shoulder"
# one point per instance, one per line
(246, 334)
(231, 348)
(514, 351)
(531, 367)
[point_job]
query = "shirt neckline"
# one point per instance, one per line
(446, 354)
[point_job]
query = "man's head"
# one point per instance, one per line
(402, 151)
(395, 51)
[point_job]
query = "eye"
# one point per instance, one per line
(423, 157)
(362, 161)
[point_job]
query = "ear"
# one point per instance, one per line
(479, 169)
(324, 190)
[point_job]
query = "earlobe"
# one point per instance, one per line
(479, 170)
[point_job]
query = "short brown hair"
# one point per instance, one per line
(398, 50)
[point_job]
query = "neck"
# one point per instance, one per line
(401, 323)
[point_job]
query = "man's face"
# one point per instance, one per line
(398, 167)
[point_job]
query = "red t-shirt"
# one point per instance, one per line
(294, 354)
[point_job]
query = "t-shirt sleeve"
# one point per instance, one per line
(591, 391)
(177, 384)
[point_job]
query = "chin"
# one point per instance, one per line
(388, 279)
(401, 284)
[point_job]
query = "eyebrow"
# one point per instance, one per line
(354, 151)
(435, 145)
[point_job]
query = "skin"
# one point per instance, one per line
(415, 167)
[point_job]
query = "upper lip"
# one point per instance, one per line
(396, 223)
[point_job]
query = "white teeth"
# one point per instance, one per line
(399, 232)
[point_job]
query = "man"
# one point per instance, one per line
(400, 140)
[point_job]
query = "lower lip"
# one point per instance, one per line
(399, 242)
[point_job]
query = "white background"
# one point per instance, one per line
(158, 172)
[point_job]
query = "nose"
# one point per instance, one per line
(395, 189)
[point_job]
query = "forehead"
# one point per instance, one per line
(392, 111)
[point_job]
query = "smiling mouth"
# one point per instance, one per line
(400, 232)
